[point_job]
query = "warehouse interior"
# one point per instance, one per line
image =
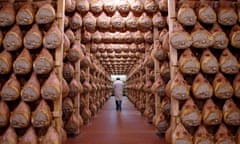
(179, 60)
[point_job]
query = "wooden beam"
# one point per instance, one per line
(59, 67)
(173, 62)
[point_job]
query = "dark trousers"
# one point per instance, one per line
(118, 105)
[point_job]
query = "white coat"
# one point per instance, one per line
(118, 89)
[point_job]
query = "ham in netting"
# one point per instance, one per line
(179, 89)
(220, 38)
(83, 6)
(21, 116)
(188, 62)
(42, 116)
(186, 15)
(144, 23)
(94, 48)
(25, 15)
(159, 53)
(72, 125)
(137, 7)
(4, 114)
(74, 54)
(190, 115)
(33, 38)
(68, 108)
(202, 136)
(148, 37)
(131, 22)
(86, 37)
(53, 38)
(150, 6)
(161, 123)
(90, 22)
(70, 5)
(109, 7)
(71, 36)
(158, 87)
(211, 115)
(228, 62)
(138, 37)
(44, 63)
(23, 63)
(226, 14)
(201, 88)
(133, 48)
(74, 88)
(234, 36)
(163, 5)
(45, 14)
(206, 14)
(123, 7)
(5, 62)
(96, 37)
(96, 6)
(166, 105)
(68, 71)
(209, 63)
(31, 90)
(180, 39)
(7, 14)
(231, 113)
(107, 37)
(201, 37)
(180, 135)
(165, 71)
(118, 22)
(222, 87)
(86, 115)
(50, 90)
(30, 137)
(223, 135)
(51, 137)
(11, 89)
(9, 136)
(76, 21)
(13, 39)
(104, 22)
(158, 20)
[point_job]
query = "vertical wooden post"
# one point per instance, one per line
(58, 68)
(156, 69)
(173, 62)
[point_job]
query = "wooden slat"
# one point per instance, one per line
(59, 67)
(173, 62)
(156, 70)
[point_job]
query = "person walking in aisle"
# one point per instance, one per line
(118, 93)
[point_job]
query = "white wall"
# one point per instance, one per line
(122, 77)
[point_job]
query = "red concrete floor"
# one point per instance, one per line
(112, 127)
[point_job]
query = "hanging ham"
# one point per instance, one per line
(7, 15)
(5, 62)
(44, 63)
(20, 117)
(31, 90)
(45, 14)
(209, 63)
(23, 63)
(11, 89)
(13, 39)
(33, 38)
(42, 116)
(53, 38)
(25, 15)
